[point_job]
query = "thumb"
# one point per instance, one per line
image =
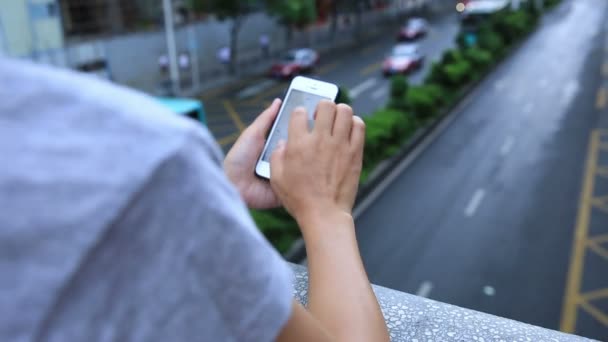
(263, 122)
(276, 159)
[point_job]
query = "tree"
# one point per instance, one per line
(235, 10)
(293, 14)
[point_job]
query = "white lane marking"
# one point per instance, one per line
(499, 85)
(255, 89)
(507, 146)
(425, 289)
(379, 93)
(528, 108)
(475, 202)
(569, 92)
(543, 83)
(356, 91)
(489, 291)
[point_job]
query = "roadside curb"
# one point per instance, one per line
(297, 251)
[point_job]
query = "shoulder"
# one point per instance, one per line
(41, 97)
(93, 133)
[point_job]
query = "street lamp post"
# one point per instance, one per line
(171, 47)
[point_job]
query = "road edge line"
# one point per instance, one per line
(577, 256)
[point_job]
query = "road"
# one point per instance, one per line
(357, 69)
(485, 216)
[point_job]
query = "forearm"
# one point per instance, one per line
(340, 295)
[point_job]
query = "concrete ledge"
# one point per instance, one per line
(413, 318)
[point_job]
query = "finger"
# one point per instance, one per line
(264, 121)
(357, 137)
(343, 123)
(276, 160)
(298, 124)
(324, 117)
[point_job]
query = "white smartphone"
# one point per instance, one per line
(303, 92)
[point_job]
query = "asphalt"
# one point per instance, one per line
(486, 215)
(231, 109)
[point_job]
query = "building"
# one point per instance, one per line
(30, 28)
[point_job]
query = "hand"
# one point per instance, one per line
(317, 172)
(240, 162)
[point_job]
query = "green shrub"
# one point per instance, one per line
(491, 41)
(458, 73)
(436, 74)
(451, 56)
(278, 227)
(386, 128)
(512, 26)
(343, 96)
(551, 3)
(399, 88)
(425, 100)
(479, 58)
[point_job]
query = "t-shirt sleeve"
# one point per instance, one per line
(183, 262)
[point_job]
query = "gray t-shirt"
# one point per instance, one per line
(118, 224)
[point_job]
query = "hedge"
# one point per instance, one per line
(410, 107)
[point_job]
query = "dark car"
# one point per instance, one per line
(403, 59)
(413, 29)
(295, 62)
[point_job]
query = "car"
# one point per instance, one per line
(193, 109)
(295, 62)
(413, 29)
(403, 59)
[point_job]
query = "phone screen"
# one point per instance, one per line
(296, 98)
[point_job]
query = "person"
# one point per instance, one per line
(223, 55)
(265, 45)
(119, 222)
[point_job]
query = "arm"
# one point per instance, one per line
(342, 304)
(316, 174)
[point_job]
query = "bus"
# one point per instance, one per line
(193, 109)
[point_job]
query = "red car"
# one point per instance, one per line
(403, 59)
(295, 62)
(414, 29)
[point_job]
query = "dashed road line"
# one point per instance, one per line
(370, 49)
(425, 289)
(474, 203)
(255, 89)
(327, 68)
(507, 146)
(371, 69)
(379, 93)
(365, 85)
(234, 115)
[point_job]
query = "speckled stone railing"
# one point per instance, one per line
(416, 319)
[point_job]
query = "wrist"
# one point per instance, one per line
(323, 220)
